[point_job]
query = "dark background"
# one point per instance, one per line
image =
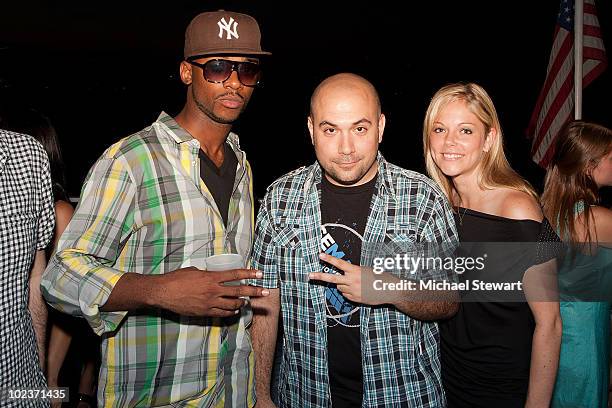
(103, 70)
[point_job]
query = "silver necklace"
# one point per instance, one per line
(461, 214)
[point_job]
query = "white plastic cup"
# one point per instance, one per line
(225, 262)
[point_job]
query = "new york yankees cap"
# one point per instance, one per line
(221, 33)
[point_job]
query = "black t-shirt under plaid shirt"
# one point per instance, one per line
(344, 214)
(219, 180)
(27, 222)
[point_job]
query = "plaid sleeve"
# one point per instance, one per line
(46, 220)
(79, 278)
(440, 236)
(264, 258)
(441, 227)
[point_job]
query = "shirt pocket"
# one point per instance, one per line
(399, 241)
(400, 234)
(290, 260)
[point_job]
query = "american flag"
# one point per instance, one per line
(555, 104)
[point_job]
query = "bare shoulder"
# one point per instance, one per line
(63, 214)
(602, 214)
(602, 218)
(519, 205)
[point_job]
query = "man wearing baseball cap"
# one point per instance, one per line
(153, 207)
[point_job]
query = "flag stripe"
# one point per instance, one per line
(594, 73)
(562, 68)
(564, 113)
(561, 48)
(589, 9)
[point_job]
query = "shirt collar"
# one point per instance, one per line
(180, 135)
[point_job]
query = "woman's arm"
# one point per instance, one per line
(541, 292)
(59, 340)
(544, 353)
(63, 214)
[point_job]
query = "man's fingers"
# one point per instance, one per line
(327, 277)
(231, 304)
(338, 263)
(238, 274)
(343, 288)
(215, 312)
(244, 291)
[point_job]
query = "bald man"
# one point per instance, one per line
(341, 344)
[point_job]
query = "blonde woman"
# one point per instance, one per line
(581, 165)
(494, 353)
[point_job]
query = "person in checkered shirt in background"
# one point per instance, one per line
(27, 222)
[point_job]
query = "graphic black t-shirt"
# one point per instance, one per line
(344, 213)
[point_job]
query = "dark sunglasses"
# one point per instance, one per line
(219, 70)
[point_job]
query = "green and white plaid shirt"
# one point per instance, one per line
(144, 209)
(400, 355)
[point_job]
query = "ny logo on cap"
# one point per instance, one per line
(231, 28)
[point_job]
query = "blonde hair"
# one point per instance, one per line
(495, 169)
(578, 149)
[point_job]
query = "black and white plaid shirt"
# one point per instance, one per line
(27, 221)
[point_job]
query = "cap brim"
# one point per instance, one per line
(235, 51)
